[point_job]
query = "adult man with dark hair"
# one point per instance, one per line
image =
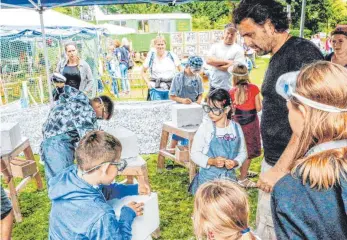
(222, 55)
(264, 26)
(68, 121)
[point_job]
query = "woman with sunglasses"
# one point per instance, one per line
(219, 145)
(80, 193)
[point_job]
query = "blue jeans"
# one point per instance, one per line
(125, 80)
(57, 153)
(115, 86)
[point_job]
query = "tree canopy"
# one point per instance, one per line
(321, 15)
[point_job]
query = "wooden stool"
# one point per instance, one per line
(184, 132)
(137, 168)
(23, 168)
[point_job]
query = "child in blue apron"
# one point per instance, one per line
(219, 145)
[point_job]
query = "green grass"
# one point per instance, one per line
(175, 204)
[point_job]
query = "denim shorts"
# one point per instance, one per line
(6, 205)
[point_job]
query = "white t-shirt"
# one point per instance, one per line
(221, 79)
(163, 68)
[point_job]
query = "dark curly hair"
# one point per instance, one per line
(260, 11)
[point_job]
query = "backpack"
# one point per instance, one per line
(151, 60)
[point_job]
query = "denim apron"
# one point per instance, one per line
(226, 147)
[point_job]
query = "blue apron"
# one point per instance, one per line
(226, 147)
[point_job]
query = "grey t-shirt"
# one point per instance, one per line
(275, 128)
(184, 86)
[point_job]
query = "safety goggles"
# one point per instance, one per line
(286, 86)
(121, 165)
(216, 111)
(103, 109)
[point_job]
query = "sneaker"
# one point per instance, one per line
(246, 183)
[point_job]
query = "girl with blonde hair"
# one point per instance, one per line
(221, 212)
(246, 100)
(311, 202)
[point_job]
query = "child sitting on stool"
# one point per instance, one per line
(80, 193)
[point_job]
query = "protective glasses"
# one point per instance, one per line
(216, 111)
(121, 165)
(286, 87)
(103, 109)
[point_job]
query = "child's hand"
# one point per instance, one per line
(144, 190)
(217, 162)
(230, 164)
(186, 101)
(137, 207)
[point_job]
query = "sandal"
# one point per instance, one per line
(246, 183)
(251, 174)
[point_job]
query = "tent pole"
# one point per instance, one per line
(302, 23)
(46, 56)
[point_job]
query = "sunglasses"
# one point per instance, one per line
(216, 111)
(121, 165)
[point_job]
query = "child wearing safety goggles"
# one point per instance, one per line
(311, 201)
(187, 88)
(219, 145)
(80, 193)
(246, 100)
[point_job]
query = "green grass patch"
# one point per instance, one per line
(175, 204)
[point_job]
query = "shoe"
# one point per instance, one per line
(251, 174)
(246, 183)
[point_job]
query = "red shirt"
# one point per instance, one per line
(253, 91)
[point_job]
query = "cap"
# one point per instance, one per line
(195, 62)
(58, 78)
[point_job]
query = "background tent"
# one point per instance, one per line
(115, 29)
(29, 19)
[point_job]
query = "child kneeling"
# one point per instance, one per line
(219, 145)
(80, 193)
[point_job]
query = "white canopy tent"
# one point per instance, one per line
(29, 19)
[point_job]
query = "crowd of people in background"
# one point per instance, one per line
(302, 185)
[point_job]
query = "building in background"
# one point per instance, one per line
(148, 23)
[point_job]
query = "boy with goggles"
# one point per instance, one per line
(80, 193)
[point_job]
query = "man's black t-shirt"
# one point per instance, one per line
(275, 128)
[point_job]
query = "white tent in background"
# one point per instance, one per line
(29, 19)
(115, 29)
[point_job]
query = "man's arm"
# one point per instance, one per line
(268, 179)
(225, 67)
(213, 61)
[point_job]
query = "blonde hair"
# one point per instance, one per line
(322, 82)
(221, 208)
(241, 83)
(117, 43)
(159, 38)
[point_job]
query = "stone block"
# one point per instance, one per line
(143, 226)
(128, 139)
(187, 114)
(10, 136)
